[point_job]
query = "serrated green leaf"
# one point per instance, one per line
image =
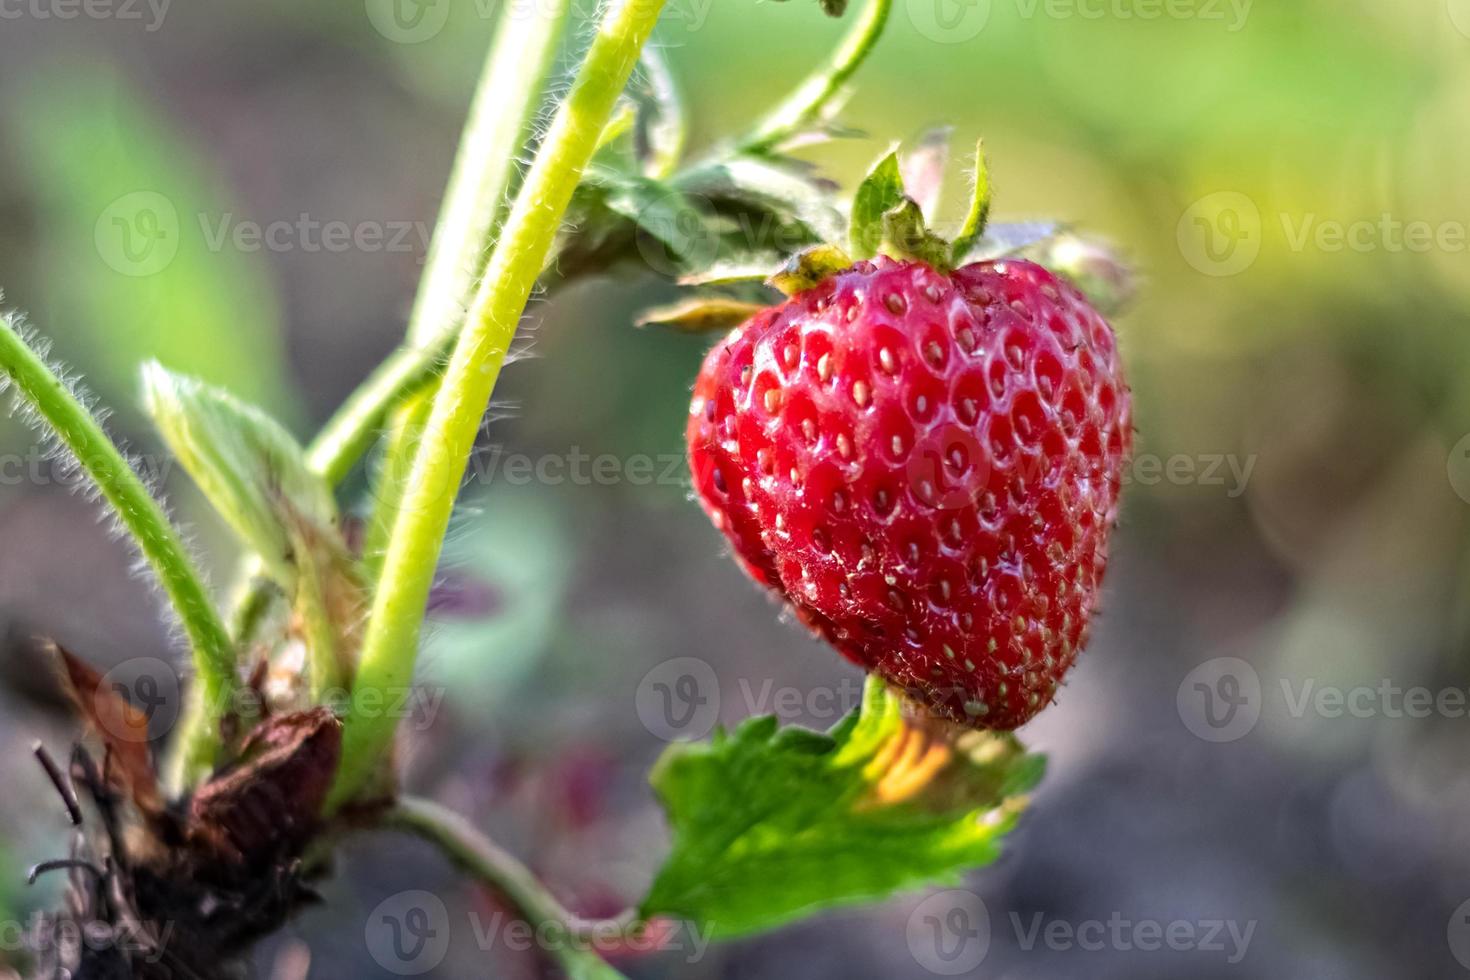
(250, 468)
(979, 210)
(778, 185)
(678, 220)
(880, 192)
(771, 824)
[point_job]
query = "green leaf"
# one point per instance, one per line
(624, 116)
(979, 211)
(678, 221)
(776, 185)
(773, 824)
(749, 268)
(250, 468)
(879, 193)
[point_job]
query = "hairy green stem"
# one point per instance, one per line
(390, 645)
(501, 113)
(519, 60)
(808, 103)
(485, 861)
(146, 523)
(392, 478)
(505, 102)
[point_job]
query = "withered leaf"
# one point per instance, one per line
(122, 729)
(701, 314)
(266, 805)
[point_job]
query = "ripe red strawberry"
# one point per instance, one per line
(926, 467)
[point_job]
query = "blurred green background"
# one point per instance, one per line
(1289, 179)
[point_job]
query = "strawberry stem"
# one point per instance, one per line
(149, 527)
(483, 859)
(390, 644)
(809, 103)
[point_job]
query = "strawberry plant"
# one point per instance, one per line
(918, 447)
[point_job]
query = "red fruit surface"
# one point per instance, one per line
(926, 467)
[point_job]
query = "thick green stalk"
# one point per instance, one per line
(392, 477)
(146, 523)
(494, 136)
(390, 646)
(809, 101)
(505, 103)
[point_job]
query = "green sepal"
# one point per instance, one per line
(880, 192)
(979, 212)
(809, 268)
(771, 824)
(906, 236)
(700, 314)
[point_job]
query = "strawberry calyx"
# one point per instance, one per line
(886, 220)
